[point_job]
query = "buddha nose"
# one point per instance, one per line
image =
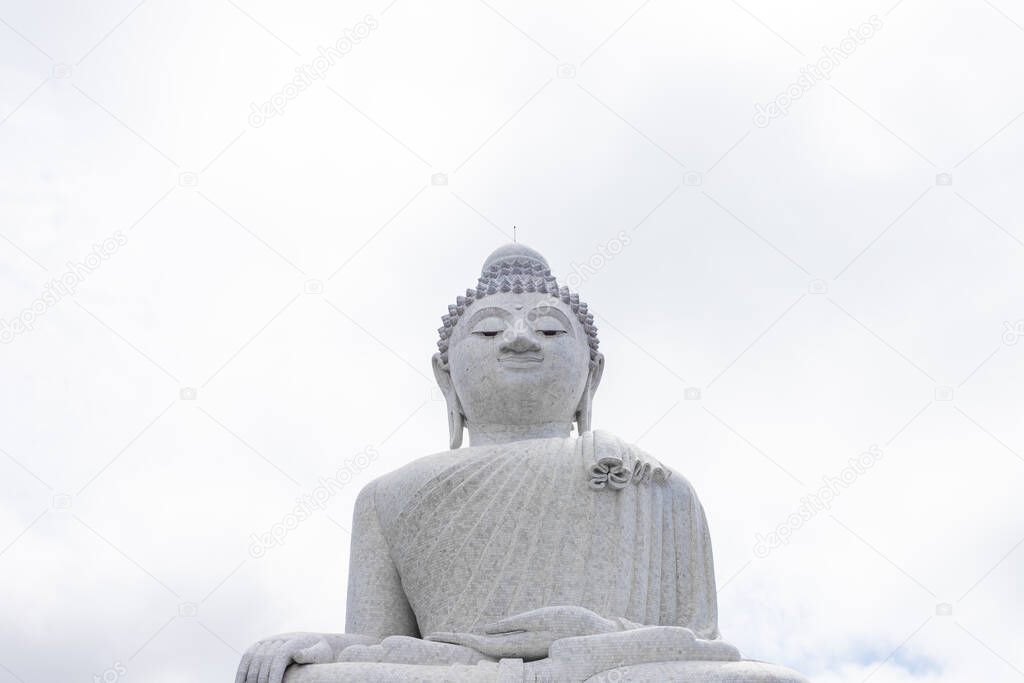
(519, 339)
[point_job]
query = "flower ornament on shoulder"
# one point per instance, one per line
(614, 464)
(610, 472)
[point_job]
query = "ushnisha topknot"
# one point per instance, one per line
(516, 268)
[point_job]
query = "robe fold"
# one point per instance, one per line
(487, 532)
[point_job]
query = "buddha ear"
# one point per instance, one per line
(596, 372)
(456, 420)
(585, 408)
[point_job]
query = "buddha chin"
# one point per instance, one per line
(533, 553)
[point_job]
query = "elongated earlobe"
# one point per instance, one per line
(455, 426)
(584, 412)
(456, 420)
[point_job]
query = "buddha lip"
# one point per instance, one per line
(520, 358)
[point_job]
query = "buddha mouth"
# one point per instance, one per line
(520, 358)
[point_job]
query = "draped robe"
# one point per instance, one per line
(485, 532)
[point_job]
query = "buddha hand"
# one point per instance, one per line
(578, 659)
(407, 650)
(266, 661)
(529, 635)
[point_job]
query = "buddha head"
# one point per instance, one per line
(517, 353)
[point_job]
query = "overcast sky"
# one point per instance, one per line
(217, 289)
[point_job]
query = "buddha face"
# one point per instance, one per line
(518, 359)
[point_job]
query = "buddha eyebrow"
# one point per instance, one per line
(488, 312)
(541, 310)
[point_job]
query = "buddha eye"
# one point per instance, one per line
(549, 326)
(489, 327)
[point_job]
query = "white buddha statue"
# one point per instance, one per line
(533, 554)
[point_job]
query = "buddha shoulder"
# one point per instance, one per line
(389, 491)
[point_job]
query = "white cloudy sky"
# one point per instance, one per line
(811, 278)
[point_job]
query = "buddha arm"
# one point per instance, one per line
(377, 605)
